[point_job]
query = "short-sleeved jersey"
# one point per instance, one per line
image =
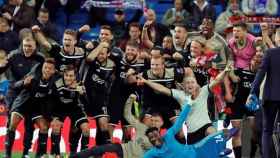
(62, 59)
(100, 76)
(64, 94)
(152, 98)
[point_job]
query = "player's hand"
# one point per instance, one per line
(104, 44)
(140, 80)
(7, 15)
(27, 80)
(81, 89)
(84, 28)
(193, 64)
(229, 67)
(144, 55)
(249, 99)
(177, 56)
(130, 72)
(89, 45)
(35, 28)
(234, 78)
(131, 76)
(148, 23)
(133, 97)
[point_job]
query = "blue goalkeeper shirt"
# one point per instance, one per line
(209, 147)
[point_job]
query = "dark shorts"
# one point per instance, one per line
(23, 110)
(116, 115)
(97, 104)
(116, 105)
(198, 135)
(42, 110)
(238, 107)
(35, 110)
(74, 112)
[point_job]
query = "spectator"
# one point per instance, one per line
(134, 35)
(176, 15)
(120, 25)
(267, 35)
(18, 14)
(259, 8)
(4, 82)
(252, 7)
(47, 27)
(157, 121)
(223, 21)
(199, 10)
(153, 32)
(51, 5)
(9, 39)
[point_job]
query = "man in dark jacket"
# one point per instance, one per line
(47, 27)
(19, 63)
(271, 95)
(18, 14)
(9, 39)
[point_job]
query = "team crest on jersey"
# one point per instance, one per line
(20, 65)
(72, 94)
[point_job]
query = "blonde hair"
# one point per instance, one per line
(200, 40)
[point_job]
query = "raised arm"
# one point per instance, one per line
(158, 87)
(127, 110)
(180, 120)
(144, 37)
(265, 35)
(93, 54)
(221, 76)
(41, 38)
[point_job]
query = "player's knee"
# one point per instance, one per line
(56, 127)
(56, 131)
(85, 128)
(86, 132)
(103, 123)
(104, 127)
(12, 127)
